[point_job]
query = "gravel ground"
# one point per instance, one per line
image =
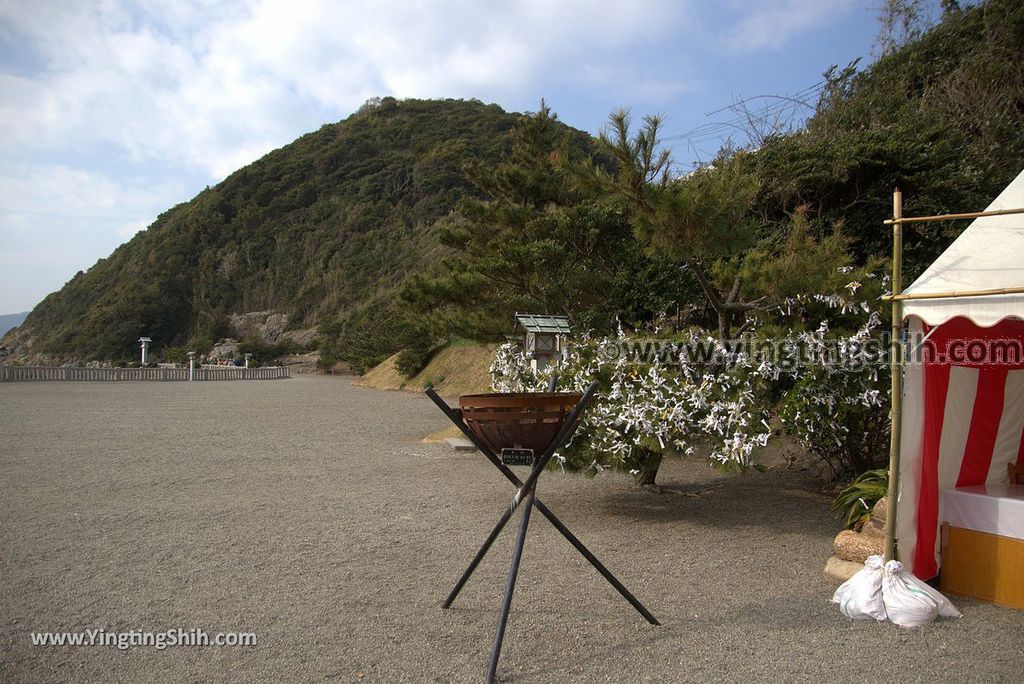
(307, 511)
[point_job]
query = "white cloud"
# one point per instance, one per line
(772, 23)
(60, 191)
(214, 88)
(55, 220)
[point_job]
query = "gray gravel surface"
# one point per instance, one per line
(307, 511)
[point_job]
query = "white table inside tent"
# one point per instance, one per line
(983, 542)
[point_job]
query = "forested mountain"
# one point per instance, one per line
(322, 230)
(939, 117)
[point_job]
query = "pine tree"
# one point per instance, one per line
(706, 222)
(532, 242)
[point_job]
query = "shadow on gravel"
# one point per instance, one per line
(781, 503)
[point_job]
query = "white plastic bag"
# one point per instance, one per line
(906, 603)
(860, 597)
(945, 606)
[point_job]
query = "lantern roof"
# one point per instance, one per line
(558, 325)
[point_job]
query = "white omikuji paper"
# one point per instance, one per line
(888, 592)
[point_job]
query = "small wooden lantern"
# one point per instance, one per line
(544, 337)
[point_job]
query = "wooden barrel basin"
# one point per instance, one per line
(517, 421)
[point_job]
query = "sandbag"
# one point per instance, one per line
(945, 606)
(906, 603)
(860, 597)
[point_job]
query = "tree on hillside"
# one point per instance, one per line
(901, 22)
(534, 243)
(706, 222)
(940, 118)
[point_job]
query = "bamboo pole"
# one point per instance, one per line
(949, 217)
(896, 367)
(953, 294)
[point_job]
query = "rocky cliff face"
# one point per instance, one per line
(267, 326)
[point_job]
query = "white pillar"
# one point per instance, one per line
(145, 348)
(247, 357)
(191, 365)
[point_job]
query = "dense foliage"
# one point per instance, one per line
(940, 118)
(533, 241)
(760, 268)
(768, 227)
(813, 362)
(647, 405)
(834, 380)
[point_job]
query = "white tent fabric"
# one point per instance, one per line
(911, 453)
(988, 255)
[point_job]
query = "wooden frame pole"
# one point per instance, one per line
(954, 294)
(947, 217)
(896, 367)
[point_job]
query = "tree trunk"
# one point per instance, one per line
(649, 469)
(724, 325)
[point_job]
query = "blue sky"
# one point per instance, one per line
(112, 112)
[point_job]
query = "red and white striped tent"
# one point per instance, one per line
(963, 405)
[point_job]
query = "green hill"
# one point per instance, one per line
(322, 230)
(938, 117)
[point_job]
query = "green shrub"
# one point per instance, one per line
(429, 381)
(326, 360)
(412, 360)
(262, 351)
(175, 355)
(857, 499)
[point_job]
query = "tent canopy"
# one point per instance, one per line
(962, 419)
(988, 255)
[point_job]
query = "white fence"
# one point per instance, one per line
(29, 373)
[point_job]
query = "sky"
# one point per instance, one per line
(112, 112)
